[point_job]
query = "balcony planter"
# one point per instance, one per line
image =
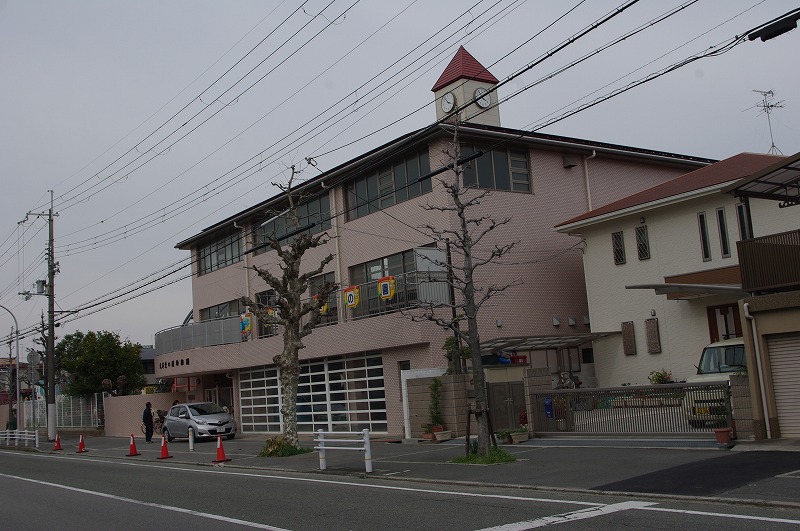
(518, 437)
(443, 435)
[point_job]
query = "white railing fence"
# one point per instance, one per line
(71, 412)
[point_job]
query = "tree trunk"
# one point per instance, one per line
(289, 366)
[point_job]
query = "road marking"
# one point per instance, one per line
(149, 504)
(582, 514)
(301, 479)
(725, 515)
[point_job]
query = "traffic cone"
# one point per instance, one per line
(220, 452)
(81, 446)
(133, 452)
(164, 449)
(57, 445)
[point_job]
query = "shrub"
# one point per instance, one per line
(280, 447)
(660, 377)
(496, 455)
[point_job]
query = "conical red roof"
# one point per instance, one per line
(463, 66)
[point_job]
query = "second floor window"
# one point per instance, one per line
(220, 253)
(498, 169)
(314, 217)
(743, 217)
(705, 243)
(219, 311)
(330, 316)
(266, 299)
(722, 225)
(618, 246)
(642, 242)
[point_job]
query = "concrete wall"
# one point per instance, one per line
(123, 414)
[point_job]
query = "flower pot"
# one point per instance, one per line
(443, 435)
(519, 437)
(723, 435)
(428, 436)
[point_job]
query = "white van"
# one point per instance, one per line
(718, 362)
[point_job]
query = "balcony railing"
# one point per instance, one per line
(770, 263)
(411, 290)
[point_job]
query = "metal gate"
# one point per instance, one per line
(506, 403)
(784, 357)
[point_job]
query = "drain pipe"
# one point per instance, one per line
(586, 178)
(756, 343)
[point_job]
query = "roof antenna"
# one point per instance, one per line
(767, 106)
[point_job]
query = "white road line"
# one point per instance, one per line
(724, 515)
(571, 516)
(222, 470)
(149, 504)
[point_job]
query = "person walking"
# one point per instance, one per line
(147, 420)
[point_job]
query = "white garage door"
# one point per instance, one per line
(784, 356)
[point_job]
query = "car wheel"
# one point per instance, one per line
(169, 437)
(231, 436)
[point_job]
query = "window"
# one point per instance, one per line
(220, 253)
(266, 299)
(743, 217)
(402, 266)
(722, 225)
(618, 245)
(331, 315)
(314, 214)
(503, 169)
(642, 243)
(220, 311)
(389, 184)
(705, 245)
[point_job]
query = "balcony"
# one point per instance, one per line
(411, 290)
(770, 263)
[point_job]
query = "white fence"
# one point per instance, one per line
(71, 412)
(14, 437)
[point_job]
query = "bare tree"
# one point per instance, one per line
(291, 305)
(470, 251)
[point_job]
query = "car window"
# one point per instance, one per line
(208, 408)
(182, 412)
(173, 411)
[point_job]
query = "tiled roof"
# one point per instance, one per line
(724, 171)
(463, 66)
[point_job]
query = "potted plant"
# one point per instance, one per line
(435, 423)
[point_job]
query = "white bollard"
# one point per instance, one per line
(323, 465)
(191, 440)
(367, 452)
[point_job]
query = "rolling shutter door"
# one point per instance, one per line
(784, 355)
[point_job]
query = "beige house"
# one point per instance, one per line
(371, 207)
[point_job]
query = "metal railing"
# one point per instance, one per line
(770, 262)
(651, 409)
(411, 290)
(71, 412)
(14, 437)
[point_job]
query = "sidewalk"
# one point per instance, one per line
(750, 472)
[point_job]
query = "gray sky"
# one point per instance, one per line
(85, 83)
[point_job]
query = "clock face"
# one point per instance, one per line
(448, 101)
(482, 97)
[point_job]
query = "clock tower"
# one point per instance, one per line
(466, 81)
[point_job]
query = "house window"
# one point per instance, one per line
(331, 314)
(220, 253)
(618, 245)
(642, 243)
(743, 217)
(498, 169)
(705, 244)
(314, 214)
(722, 225)
(267, 299)
(389, 184)
(220, 311)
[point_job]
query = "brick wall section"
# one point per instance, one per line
(742, 407)
(535, 380)
(456, 397)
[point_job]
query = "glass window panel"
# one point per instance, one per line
(502, 174)
(361, 197)
(483, 166)
(400, 189)
(469, 175)
(412, 168)
(372, 192)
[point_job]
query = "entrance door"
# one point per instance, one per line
(506, 402)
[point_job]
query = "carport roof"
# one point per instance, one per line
(778, 182)
(536, 342)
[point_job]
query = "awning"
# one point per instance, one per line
(779, 182)
(536, 342)
(691, 291)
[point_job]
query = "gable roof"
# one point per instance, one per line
(463, 66)
(724, 171)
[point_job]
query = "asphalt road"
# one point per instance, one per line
(65, 491)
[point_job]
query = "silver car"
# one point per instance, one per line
(205, 419)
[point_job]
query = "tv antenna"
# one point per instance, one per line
(767, 107)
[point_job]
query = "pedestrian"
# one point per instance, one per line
(176, 402)
(147, 420)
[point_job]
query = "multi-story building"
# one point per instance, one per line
(372, 209)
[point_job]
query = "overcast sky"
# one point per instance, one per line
(130, 110)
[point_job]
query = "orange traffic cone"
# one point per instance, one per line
(57, 445)
(81, 446)
(164, 449)
(220, 452)
(133, 452)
